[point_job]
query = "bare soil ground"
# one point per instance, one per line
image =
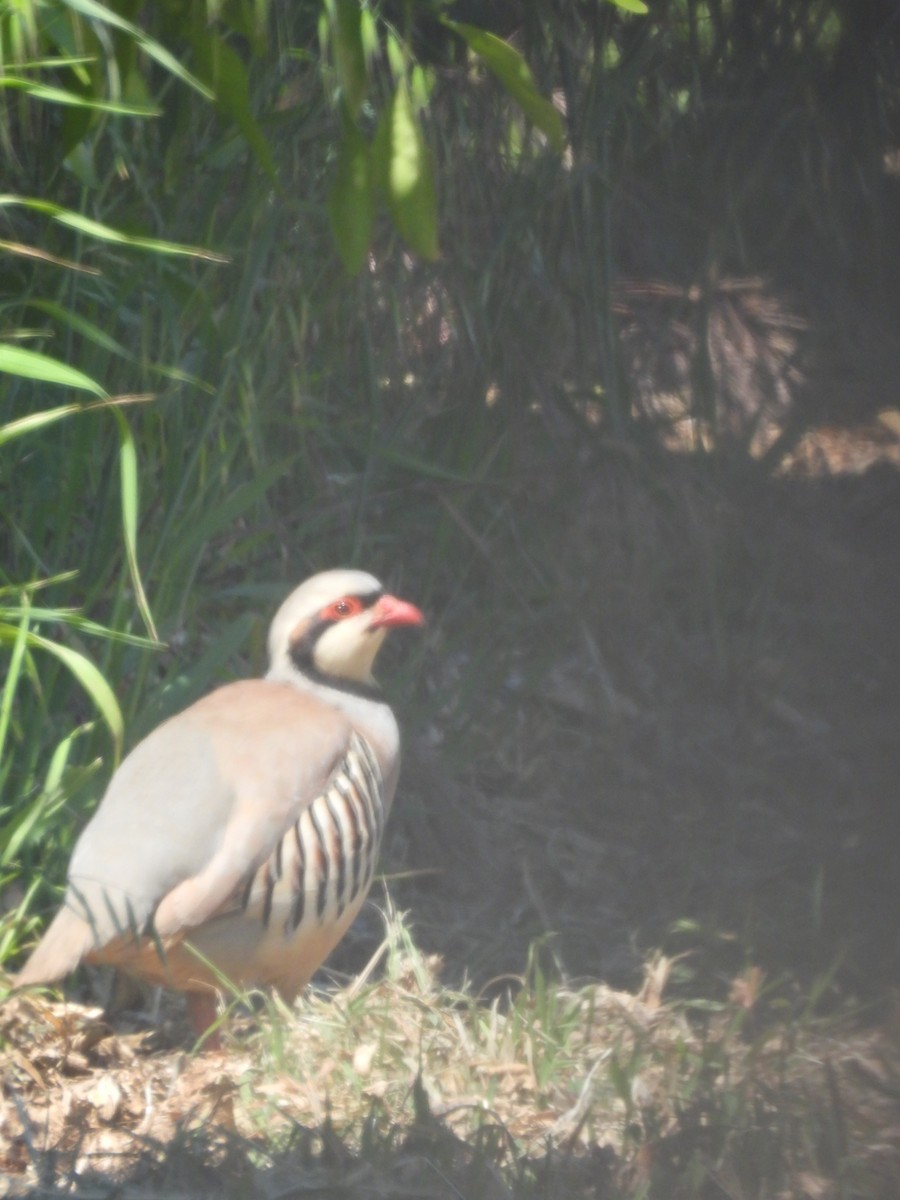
(688, 739)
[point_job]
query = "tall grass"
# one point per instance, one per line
(154, 262)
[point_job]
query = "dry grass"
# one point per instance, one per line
(399, 1086)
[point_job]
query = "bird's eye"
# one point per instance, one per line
(348, 606)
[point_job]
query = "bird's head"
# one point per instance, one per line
(331, 628)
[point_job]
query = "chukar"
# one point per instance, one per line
(243, 832)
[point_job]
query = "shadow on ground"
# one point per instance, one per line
(682, 730)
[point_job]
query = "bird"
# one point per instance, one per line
(238, 840)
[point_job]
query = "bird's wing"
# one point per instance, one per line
(190, 815)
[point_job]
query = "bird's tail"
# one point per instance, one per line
(65, 943)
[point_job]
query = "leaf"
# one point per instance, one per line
(632, 6)
(16, 833)
(368, 34)
(17, 635)
(514, 73)
(28, 364)
(60, 758)
(228, 76)
(75, 619)
(129, 479)
(34, 421)
(57, 62)
(81, 325)
(91, 680)
(36, 585)
(106, 233)
(351, 201)
(55, 95)
(349, 53)
(129, 489)
(98, 12)
(29, 424)
(405, 169)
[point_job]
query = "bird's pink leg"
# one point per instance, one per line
(202, 1012)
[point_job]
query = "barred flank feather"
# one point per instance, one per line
(324, 864)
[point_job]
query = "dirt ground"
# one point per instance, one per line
(693, 740)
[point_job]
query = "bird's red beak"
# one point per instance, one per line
(389, 611)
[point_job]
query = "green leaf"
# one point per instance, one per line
(17, 635)
(368, 34)
(53, 780)
(91, 680)
(98, 12)
(29, 817)
(349, 53)
(28, 364)
(57, 62)
(514, 73)
(128, 469)
(106, 233)
(404, 166)
(36, 585)
(421, 85)
(632, 6)
(87, 329)
(351, 201)
(76, 620)
(54, 95)
(29, 424)
(228, 77)
(396, 55)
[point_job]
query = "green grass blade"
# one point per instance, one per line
(55, 95)
(18, 636)
(59, 760)
(82, 326)
(106, 233)
(232, 90)
(75, 620)
(91, 680)
(57, 63)
(24, 425)
(129, 487)
(29, 364)
(151, 47)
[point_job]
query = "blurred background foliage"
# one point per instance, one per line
(291, 284)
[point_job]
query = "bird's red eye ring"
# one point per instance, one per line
(340, 610)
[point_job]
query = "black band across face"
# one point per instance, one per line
(302, 653)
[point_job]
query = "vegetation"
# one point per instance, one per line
(600, 383)
(405, 1086)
